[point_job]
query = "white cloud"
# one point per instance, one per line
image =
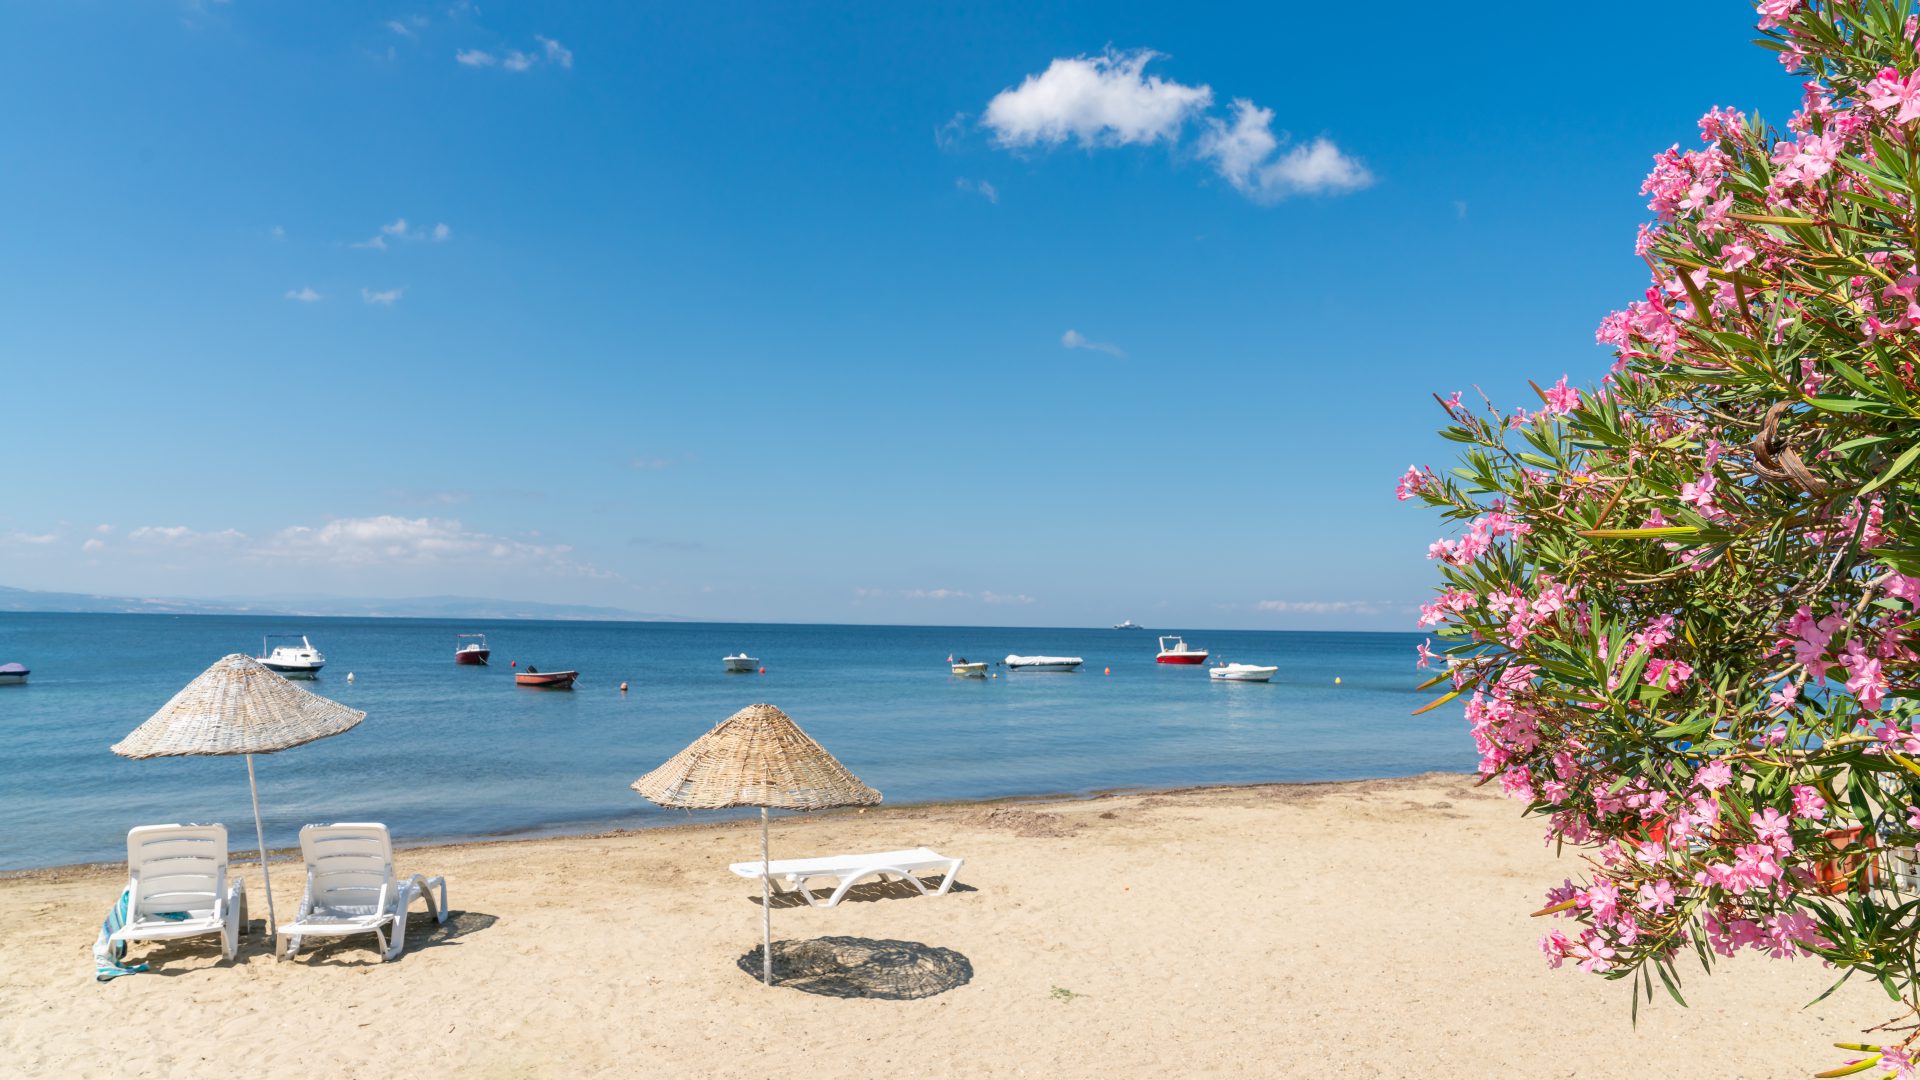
(398, 229)
(92, 545)
(1002, 598)
(516, 60)
(377, 243)
(476, 58)
(182, 536)
(304, 294)
(1074, 339)
(556, 52)
(278, 232)
(949, 134)
(33, 538)
(384, 540)
(103, 529)
(441, 233)
(1248, 155)
(1109, 100)
(385, 297)
(1105, 100)
(978, 187)
(937, 594)
(400, 28)
(1325, 607)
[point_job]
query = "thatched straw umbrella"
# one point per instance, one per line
(756, 757)
(237, 706)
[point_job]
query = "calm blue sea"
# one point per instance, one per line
(450, 751)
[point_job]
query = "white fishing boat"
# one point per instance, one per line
(1043, 663)
(1242, 672)
(301, 661)
(741, 664)
(1128, 624)
(11, 674)
(976, 669)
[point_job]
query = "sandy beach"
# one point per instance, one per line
(1374, 928)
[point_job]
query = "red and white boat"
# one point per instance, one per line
(471, 649)
(1179, 652)
(551, 680)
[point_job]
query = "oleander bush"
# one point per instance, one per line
(1680, 606)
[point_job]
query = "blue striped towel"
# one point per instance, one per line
(107, 953)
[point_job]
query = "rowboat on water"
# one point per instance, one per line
(1043, 663)
(549, 680)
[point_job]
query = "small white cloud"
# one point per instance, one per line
(441, 233)
(1105, 100)
(949, 134)
(1248, 155)
(182, 536)
(103, 529)
(278, 232)
(304, 294)
(400, 28)
(385, 297)
(92, 545)
(1003, 598)
(1325, 607)
(476, 58)
(978, 187)
(937, 594)
(378, 243)
(516, 60)
(398, 228)
(1074, 339)
(556, 52)
(33, 538)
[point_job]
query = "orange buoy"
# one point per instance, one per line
(763, 671)
(513, 663)
(1106, 671)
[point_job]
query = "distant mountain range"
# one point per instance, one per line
(418, 607)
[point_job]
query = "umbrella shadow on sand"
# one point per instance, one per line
(866, 892)
(852, 967)
(422, 933)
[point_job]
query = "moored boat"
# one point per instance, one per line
(1179, 652)
(1242, 672)
(12, 674)
(1128, 624)
(1043, 663)
(301, 661)
(970, 670)
(471, 649)
(549, 680)
(741, 664)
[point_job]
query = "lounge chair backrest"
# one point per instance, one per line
(347, 864)
(176, 867)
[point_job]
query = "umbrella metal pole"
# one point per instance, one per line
(766, 904)
(260, 834)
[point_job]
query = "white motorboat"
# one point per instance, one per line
(12, 674)
(1043, 663)
(741, 664)
(1242, 672)
(976, 669)
(1128, 624)
(1179, 652)
(301, 661)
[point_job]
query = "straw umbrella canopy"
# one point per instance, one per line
(238, 706)
(756, 757)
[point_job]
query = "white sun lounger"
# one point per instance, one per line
(792, 875)
(177, 886)
(352, 889)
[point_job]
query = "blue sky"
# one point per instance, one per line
(804, 313)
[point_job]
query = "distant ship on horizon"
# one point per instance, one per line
(1128, 624)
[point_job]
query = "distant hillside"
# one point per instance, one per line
(419, 607)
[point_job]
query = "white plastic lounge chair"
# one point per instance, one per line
(792, 875)
(177, 886)
(352, 889)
